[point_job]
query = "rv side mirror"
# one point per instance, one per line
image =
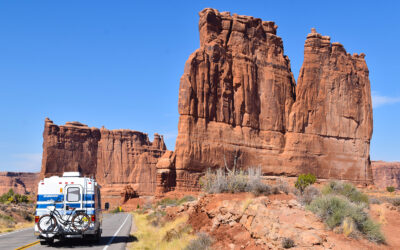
(106, 206)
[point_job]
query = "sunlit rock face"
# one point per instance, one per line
(386, 174)
(116, 158)
(238, 102)
(19, 182)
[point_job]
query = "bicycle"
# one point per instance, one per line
(48, 223)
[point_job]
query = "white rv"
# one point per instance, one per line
(68, 207)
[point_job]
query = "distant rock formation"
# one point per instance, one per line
(238, 101)
(20, 182)
(386, 174)
(115, 157)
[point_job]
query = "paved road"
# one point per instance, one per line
(116, 229)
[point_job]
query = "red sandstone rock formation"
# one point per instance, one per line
(238, 100)
(115, 157)
(330, 124)
(128, 193)
(21, 183)
(166, 174)
(386, 174)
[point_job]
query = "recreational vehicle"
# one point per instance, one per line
(68, 207)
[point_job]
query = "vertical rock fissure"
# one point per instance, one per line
(228, 36)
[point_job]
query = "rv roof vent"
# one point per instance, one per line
(71, 174)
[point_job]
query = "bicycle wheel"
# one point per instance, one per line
(47, 223)
(80, 222)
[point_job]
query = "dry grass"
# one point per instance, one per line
(5, 229)
(171, 235)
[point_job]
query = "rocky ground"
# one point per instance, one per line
(244, 221)
(16, 216)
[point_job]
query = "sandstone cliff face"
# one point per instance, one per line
(238, 101)
(330, 124)
(116, 158)
(386, 174)
(21, 183)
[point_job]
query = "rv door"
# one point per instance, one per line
(73, 196)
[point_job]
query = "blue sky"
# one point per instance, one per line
(118, 63)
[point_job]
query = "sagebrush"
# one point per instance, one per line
(340, 211)
(236, 181)
(347, 190)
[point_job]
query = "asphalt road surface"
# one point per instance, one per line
(116, 229)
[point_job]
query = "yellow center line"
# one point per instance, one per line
(27, 246)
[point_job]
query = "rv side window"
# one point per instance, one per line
(73, 194)
(98, 199)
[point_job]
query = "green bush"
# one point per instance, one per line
(372, 231)
(390, 189)
(11, 197)
(305, 180)
(334, 209)
(347, 190)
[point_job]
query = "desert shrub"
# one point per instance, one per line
(374, 200)
(214, 182)
(372, 231)
(309, 194)
(347, 190)
(287, 243)
(390, 189)
(28, 217)
(187, 198)
(334, 209)
(202, 242)
(11, 197)
(305, 180)
(168, 202)
(394, 201)
(282, 186)
(235, 181)
(349, 227)
(261, 189)
(6, 221)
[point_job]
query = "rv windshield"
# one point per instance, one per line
(73, 194)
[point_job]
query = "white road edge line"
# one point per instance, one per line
(16, 231)
(119, 229)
